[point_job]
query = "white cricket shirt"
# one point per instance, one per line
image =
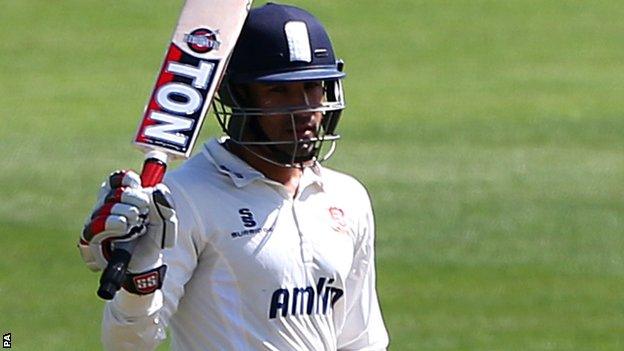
(255, 269)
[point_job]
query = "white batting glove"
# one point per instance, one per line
(126, 211)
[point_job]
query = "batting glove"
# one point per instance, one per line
(126, 211)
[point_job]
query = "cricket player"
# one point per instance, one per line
(251, 244)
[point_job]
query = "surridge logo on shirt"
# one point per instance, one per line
(249, 221)
(247, 217)
(305, 300)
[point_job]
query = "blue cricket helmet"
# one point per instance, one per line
(281, 44)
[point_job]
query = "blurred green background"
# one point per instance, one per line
(489, 133)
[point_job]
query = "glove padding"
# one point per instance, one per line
(126, 211)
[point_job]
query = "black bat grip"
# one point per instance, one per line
(113, 276)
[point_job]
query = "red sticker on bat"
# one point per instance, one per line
(202, 40)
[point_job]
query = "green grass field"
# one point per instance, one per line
(489, 133)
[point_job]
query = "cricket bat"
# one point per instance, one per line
(194, 64)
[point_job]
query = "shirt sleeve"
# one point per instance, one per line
(364, 327)
(133, 322)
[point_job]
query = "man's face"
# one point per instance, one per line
(289, 127)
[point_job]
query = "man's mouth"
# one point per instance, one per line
(303, 131)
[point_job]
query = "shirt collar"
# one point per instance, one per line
(312, 175)
(229, 164)
(243, 174)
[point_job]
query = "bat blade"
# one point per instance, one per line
(194, 64)
(190, 74)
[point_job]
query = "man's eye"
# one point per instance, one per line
(277, 89)
(313, 85)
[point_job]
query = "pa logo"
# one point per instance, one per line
(6, 341)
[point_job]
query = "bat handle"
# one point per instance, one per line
(113, 276)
